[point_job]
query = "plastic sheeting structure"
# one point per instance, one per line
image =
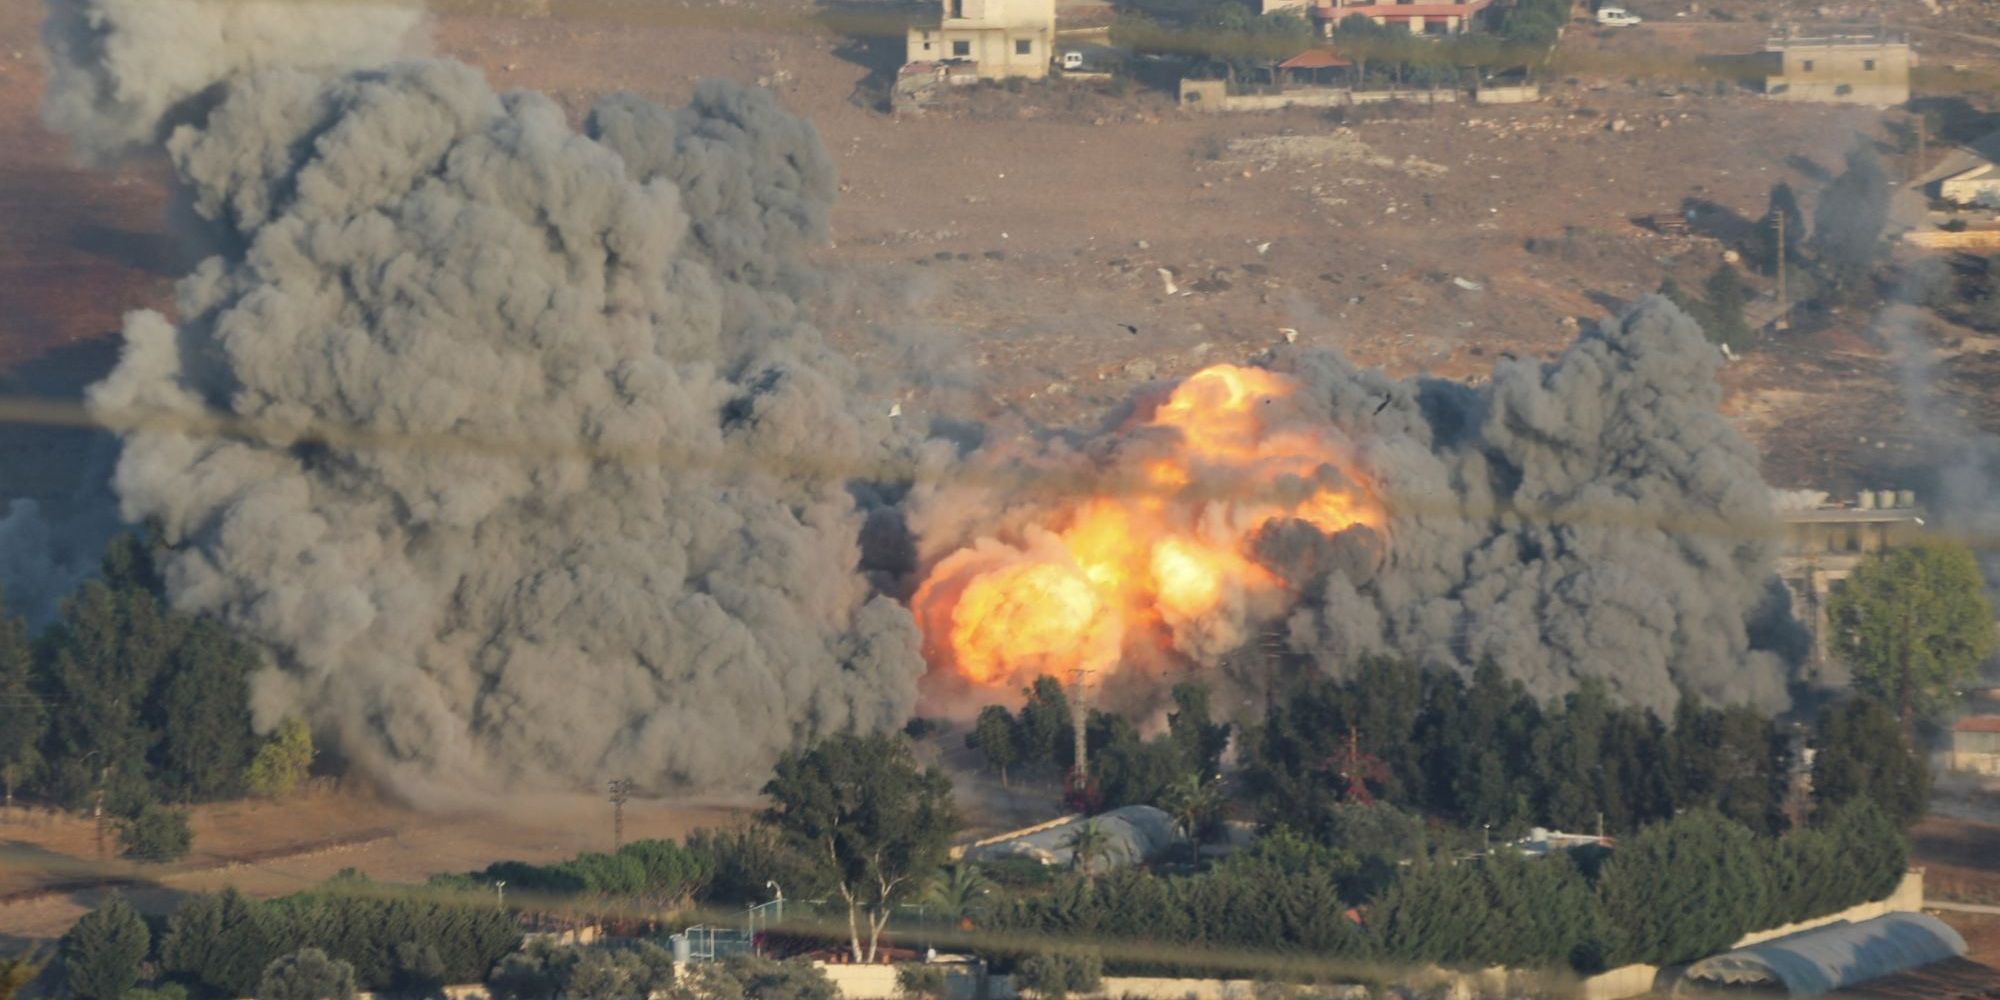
(1828, 958)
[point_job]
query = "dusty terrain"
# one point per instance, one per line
(49, 872)
(993, 261)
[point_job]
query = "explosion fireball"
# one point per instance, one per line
(1159, 560)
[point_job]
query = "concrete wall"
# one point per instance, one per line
(1213, 96)
(1507, 95)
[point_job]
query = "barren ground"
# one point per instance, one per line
(1000, 248)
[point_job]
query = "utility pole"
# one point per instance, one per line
(621, 790)
(1784, 306)
(1080, 775)
(97, 807)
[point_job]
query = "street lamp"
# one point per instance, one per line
(500, 893)
(1485, 838)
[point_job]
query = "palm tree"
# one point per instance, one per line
(1087, 844)
(1192, 801)
(957, 892)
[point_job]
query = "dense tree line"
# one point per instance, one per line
(1676, 890)
(220, 944)
(122, 696)
(1039, 741)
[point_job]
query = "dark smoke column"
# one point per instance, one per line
(536, 477)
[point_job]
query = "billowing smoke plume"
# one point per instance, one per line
(123, 73)
(529, 472)
(1593, 516)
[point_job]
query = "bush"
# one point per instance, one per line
(1058, 974)
(307, 974)
(102, 951)
(755, 978)
(920, 981)
(1683, 889)
(543, 971)
(156, 834)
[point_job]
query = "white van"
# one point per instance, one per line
(1616, 17)
(1072, 61)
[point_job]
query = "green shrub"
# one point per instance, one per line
(307, 974)
(156, 834)
(1058, 974)
(920, 981)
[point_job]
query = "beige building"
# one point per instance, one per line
(1975, 745)
(998, 38)
(1871, 68)
(1824, 543)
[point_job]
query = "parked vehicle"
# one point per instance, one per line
(1616, 17)
(1072, 61)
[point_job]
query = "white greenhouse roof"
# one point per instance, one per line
(1828, 958)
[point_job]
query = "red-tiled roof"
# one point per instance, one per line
(1314, 59)
(1977, 724)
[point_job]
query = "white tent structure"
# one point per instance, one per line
(1134, 833)
(1828, 958)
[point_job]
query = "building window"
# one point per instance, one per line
(1868, 64)
(1024, 47)
(1806, 66)
(927, 46)
(961, 48)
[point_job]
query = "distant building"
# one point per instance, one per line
(1975, 745)
(1871, 68)
(1419, 18)
(1977, 186)
(1134, 834)
(996, 38)
(1824, 542)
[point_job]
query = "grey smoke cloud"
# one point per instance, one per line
(1594, 516)
(123, 73)
(1614, 524)
(424, 261)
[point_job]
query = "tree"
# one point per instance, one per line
(1087, 844)
(1727, 296)
(1683, 889)
(1056, 975)
(17, 972)
(107, 650)
(1193, 802)
(1046, 729)
(202, 715)
(1848, 222)
(543, 971)
(155, 833)
(1914, 623)
(283, 761)
(23, 718)
(307, 974)
(1862, 752)
(993, 736)
(921, 982)
(219, 941)
(958, 892)
(102, 951)
(1190, 727)
(862, 804)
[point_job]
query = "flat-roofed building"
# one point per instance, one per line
(1870, 67)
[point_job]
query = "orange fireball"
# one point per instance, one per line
(1158, 564)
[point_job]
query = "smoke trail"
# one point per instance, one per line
(1594, 516)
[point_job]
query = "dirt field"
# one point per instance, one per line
(276, 848)
(991, 262)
